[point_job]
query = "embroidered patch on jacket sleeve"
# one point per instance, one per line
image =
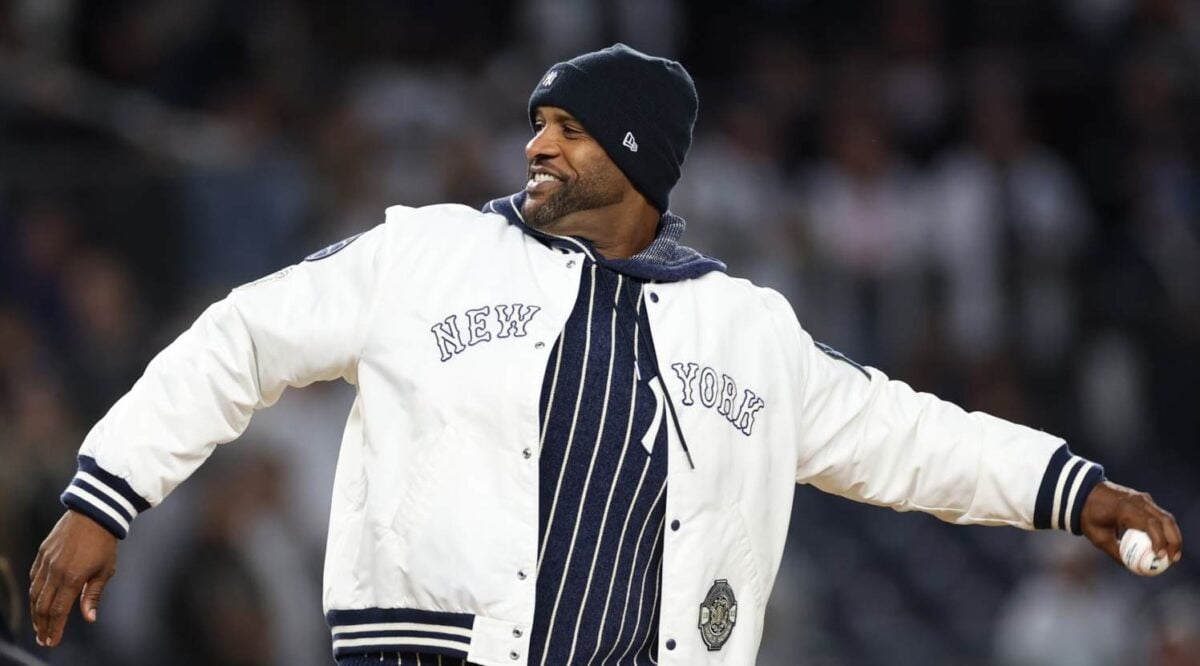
(332, 249)
(839, 356)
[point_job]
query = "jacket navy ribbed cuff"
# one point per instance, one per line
(1065, 487)
(103, 497)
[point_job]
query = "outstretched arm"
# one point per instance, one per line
(878, 441)
(303, 324)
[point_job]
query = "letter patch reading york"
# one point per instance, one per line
(718, 614)
(481, 324)
(719, 392)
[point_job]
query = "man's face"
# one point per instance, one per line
(568, 170)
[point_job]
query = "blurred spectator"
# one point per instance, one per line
(654, 26)
(1175, 637)
(867, 220)
(45, 237)
(415, 142)
(796, 634)
(1097, 20)
(1111, 394)
(20, 352)
(1070, 613)
(1166, 182)
(107, 319)
(10, 617)
(350, 192)
(244, 218)
(917, 88)
(216, 614)
(561, 29)
(1011, 225)
(732, 193)
(41, 27)
(302, 433)
(38, 441)
(1151, 281)
(230, 600)
(785, 82)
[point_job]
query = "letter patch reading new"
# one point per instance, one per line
(454, 334)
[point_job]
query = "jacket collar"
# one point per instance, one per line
(664, 260)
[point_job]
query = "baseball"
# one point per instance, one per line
(1138, 554)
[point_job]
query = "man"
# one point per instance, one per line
(574, 440)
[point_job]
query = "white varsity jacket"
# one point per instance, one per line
(443, 318)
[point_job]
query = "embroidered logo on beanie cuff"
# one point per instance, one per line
(630, 142)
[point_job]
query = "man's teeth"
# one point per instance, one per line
(542, 178)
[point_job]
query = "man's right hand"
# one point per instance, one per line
(75, 561)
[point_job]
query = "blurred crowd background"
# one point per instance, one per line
(996, 200)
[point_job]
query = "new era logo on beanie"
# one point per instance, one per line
(640, 108)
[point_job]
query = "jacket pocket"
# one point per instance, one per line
(745, 552)
(415, 498)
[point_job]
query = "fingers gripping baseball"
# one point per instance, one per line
(74, 562)
(1112, 509)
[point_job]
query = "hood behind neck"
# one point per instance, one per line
(664, 260)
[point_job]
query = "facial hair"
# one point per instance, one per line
(596, 190)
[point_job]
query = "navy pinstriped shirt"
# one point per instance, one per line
(603, 475)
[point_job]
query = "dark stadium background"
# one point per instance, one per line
(996, 200)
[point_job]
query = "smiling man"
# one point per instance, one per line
(575, 440)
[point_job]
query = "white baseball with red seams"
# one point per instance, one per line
(1138, 554)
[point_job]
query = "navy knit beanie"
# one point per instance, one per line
(640, 108)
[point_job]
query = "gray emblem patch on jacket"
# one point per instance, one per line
(718, 614)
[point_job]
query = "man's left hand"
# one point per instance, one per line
(1111, 509)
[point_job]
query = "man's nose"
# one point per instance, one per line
(541, 145)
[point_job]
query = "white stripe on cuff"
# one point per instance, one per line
(401, 627)
(1058, 490)
(402, 640)
(1083, 471)
(99, 504)
(101, 486)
